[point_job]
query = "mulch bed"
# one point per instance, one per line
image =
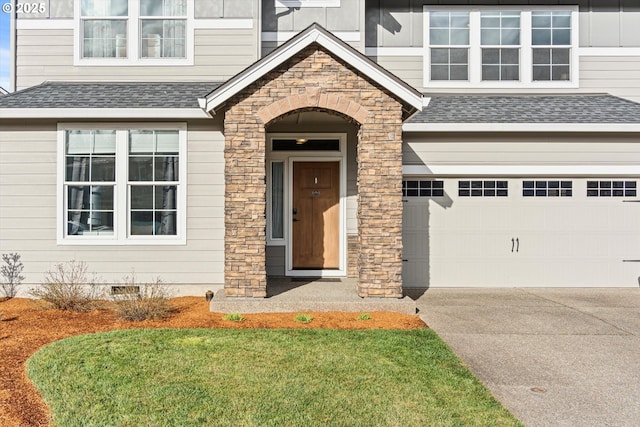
(26, 325)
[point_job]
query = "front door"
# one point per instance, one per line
(316, 215)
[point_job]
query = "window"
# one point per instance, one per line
(134, 32)
(121, 185)
(551, 38)
(89, 182)
(416, 188)
(611, 189)
(163, 25)
(499, 29)
(104, 28)
(501, 47)
(449, 31)
(153, 181)
(277, 200)
(483, 188)
(547, 188)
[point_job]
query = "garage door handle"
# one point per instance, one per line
(405, 260)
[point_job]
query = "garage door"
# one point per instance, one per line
(521, 232)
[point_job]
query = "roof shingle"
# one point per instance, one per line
(587, 108)
(109, 95)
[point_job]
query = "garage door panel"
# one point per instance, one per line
(522, 241)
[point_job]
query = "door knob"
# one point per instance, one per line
(295, 211)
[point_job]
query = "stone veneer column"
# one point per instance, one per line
(315, 80)
(245, 204)
(380, 203)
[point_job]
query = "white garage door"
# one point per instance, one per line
(521, 232)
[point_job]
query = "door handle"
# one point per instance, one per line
(295, 220)
(513, 242)
(295, 211)
(517, 244)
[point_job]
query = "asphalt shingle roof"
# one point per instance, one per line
(587, 108)
(442, 108)
(109, 95)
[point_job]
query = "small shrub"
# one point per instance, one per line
(150, 301)
(68, 287)
(234, 317)
(11, 277)
(364, 316)
(303, 318)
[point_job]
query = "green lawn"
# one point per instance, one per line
(227, 377)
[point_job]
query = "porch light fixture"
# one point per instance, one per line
(301, 141)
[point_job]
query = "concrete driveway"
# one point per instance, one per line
(553, 357)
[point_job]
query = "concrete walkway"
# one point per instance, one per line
(553, 357)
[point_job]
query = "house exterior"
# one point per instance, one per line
(406, 144)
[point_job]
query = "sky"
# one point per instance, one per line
(4, 45)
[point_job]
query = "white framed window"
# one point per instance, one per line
(163, 27)
(501, 46)
(134, 32)
(306, 3)
(122, 184)
(551, 40)
(104, 28)
(449, 35)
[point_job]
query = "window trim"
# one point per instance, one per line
(526, 50)
(134, 43)
(121, 206)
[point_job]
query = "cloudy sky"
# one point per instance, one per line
(4, 48)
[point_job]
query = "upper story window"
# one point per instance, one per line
(500, 41)
(104, 28)
(163, 27)
(501, 47)
(449, 35)
(134, 32)
(551, 40)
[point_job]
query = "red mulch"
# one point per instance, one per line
(26, 326)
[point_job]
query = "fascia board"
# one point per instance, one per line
(103, 113)
(521, 127)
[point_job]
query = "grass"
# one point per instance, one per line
(254, 377)
(303, 318)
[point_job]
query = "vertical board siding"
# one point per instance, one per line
(28, 215)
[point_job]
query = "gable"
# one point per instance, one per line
(315, 35)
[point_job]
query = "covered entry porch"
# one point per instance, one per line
(314, 72)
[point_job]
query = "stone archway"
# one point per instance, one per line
(311, 79)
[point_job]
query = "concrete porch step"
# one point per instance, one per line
(298, 295)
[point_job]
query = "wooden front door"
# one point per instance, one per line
(316, 215)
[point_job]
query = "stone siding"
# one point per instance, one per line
(315, 80)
